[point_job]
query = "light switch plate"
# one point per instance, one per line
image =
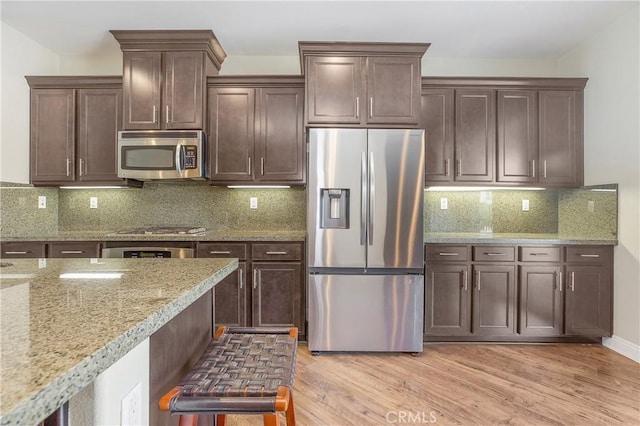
(591, 206)
(525, 205)
(443, 204)
(253, 202)
(93, 202)
(42, 201)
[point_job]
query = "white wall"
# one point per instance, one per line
(488, 67)
(20, 56)
(610, 58)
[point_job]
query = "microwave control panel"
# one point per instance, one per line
(190, 157)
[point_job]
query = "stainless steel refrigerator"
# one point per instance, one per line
(365, 240)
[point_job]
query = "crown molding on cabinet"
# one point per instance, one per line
(506, 82)
(73, 81)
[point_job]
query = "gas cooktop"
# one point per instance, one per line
(162, 230)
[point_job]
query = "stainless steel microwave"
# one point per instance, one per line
(162, 154)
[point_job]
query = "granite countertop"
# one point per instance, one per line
(59, 333)
(495, 238)
(250, 235)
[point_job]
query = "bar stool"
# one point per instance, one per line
(242, 371)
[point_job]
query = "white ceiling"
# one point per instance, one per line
(499, 29)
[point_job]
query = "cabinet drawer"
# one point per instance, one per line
(494, 253)
(222, 250)
(540, 254)
(445, 253)
(276, 251)
(74, 250)
(18, 250)
(588, 254)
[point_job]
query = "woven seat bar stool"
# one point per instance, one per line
(242, 371)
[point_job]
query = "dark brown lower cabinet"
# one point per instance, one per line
(276, 294)
(447, 300)
(588, 300)
(230, 299)
(494, 297)
(74, 249)
(540, 304)
(22, 250)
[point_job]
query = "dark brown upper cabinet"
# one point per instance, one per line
(256, 130)
(74, 130)
(164, 77)
(362, 84)
(503, 131)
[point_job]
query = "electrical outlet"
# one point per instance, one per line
(93, 202)
(525, 205)
(591, 206)
(443, 204)
(253, 202)
(42, 201)
(131, 407)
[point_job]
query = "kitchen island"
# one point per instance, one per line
(65, 321)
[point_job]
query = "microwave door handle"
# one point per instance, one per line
(179, 155)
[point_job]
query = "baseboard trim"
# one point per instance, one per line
(623, 347)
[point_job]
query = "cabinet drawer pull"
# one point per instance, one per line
(240, 278)
(220, 252)
(448, 253)
(71, 252)
(590, 255)
(277, 252)
(357, 107)
(539, 254)
(16, 252)
(495, 254)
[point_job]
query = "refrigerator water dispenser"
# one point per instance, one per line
(334, 206)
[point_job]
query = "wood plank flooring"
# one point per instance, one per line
(473, 384)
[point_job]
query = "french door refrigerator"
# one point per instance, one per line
(365, 240)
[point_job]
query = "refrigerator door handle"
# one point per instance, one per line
(372, 197)
(363, 199)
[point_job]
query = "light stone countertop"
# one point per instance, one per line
(249, 236)
(58, 334)
(496, 238)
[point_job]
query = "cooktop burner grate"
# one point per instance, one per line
(162, 230)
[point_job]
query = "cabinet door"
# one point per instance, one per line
(560, 138)
(22, 250)
(393, 90)
(141, 84)
(74, 249)
(99, 119)
(277, 294)
(540, 312)
(230, 299)
(447, 301)
(231, 133)
(517, 136)
(588, 303)
(475, 135)
(437, 120)
(494, 300)
(280, 144)
(335, 90)
(52, 135)
(183, 94)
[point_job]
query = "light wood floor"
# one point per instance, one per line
(453, 384)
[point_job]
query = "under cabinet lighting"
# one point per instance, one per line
(95, 187)
(481, 188)
(92, 275)
(258, 186)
